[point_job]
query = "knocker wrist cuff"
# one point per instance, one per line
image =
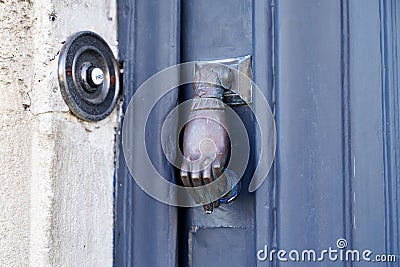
(207, 103)
(209, 92)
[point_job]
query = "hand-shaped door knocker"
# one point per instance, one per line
(206, 142)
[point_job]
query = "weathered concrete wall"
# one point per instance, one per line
(56, 172)
(16, 59)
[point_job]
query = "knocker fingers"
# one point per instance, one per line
(187, 181)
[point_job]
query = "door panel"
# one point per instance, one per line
(216, 29)
(329, 70)
(368, 184)
(213, 30)
(146, 229)
(209, 245)
(309, 125)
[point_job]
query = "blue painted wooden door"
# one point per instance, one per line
(329, 70)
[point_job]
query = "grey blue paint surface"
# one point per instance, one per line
(330, 72)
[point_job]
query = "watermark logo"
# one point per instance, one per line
(134, 137)
(341, 243)
(339, 253)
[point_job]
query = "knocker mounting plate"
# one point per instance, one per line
(241, 89)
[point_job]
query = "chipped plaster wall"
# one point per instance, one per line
(56, 172)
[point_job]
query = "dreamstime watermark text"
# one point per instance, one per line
(339, 253)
